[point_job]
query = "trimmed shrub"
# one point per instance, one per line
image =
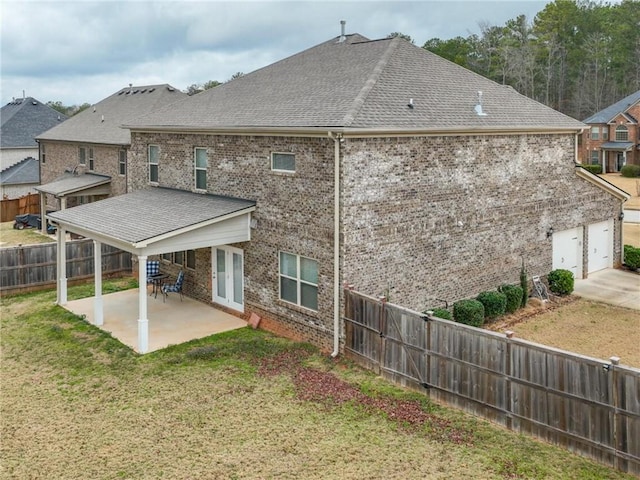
(560, 281)
(495, 304)
(440, 313)
(630, 171)
(469, 312)
(514, 297)
(593, 168)
(632, 257)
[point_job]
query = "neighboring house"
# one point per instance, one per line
(22, 120)
(20, 179)
(92, 144)
(613, 139)
(372, 163)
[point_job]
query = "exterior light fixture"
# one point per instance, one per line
(550, 232)
(621, 216)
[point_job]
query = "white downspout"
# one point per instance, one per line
(336, 244)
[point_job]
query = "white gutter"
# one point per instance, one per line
(336, 243)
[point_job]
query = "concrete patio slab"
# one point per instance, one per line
(170, 323)
(615, 287)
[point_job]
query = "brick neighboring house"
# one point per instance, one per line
(77, 156)
(613, 139)
(373, 163)
(22, 120)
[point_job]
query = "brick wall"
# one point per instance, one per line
(448, 217)
(64, 155)
(424, 218)
(294, 213)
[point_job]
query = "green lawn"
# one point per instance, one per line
(76, 403)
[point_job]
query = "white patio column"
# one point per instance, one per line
(63, 203)
(62, 266)
(143, 321)
(98, 305)
(43, 213)
(604, 161)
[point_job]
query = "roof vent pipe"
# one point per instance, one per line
(342, 38)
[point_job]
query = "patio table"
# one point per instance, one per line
(156, 282)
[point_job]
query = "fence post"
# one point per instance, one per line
(383, 335)
(615, 361)
(507, 379)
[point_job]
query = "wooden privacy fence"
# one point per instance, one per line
(31, 267)
(590, 406)
(17, 206)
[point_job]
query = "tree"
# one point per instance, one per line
(401, 35)
(236, 75)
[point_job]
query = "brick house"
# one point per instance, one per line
(613, 139)
(85, 158)
(372, 163)
(22, 120)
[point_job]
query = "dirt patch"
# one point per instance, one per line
(577, 325)
(629, 185)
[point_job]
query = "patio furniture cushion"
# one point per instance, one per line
(176, 287)
(153, 268)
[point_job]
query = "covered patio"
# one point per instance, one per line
(172, 321)
(145, 223)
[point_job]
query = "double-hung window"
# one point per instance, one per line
(91, 159)
(595, 157)
(201, 163)
(283, 162)
(154, 160)
(299, 280)
(82, 156)
(43, 153)
(122, 162)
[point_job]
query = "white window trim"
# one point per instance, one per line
(81, 160)
(279, 170)
(157, 163)
(196, 168)
(298, 280)
(121, 163)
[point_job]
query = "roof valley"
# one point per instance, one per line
(361, 98)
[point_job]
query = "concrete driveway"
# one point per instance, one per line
(612, 286)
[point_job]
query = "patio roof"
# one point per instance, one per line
(159, 220)
(71, 184)
(617, 146)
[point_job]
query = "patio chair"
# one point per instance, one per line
(176, 287)
(153, 270)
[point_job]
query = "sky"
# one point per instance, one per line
(82, 51)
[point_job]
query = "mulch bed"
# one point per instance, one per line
(327, 389)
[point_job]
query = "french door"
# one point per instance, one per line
(228, 277)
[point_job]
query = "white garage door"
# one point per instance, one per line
(600, 246)
(567, 251)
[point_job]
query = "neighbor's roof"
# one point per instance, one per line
(24, 172)
(23, 119)
(70, 182)
(609, 113)
(363, 85)
(618, 146)
(102, 122)
(144, 214)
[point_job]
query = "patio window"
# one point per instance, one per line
(82, 156)
(283, 162)
(299, 280)
(91, 159)
(167, 257)
(201, 163)
(154, 160)
(122, 162)
(178, 258)
(594, 157)
(191, 259)
(622, 133)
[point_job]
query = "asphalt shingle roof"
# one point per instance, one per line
(102, 122)
(360, 84)
(145, 214)
(23, 119)
(70, 182)
(24, 172)
(609, 113)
